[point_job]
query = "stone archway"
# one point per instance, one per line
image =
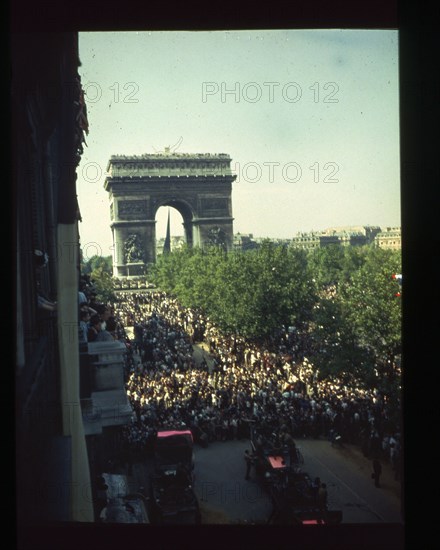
(198, 186)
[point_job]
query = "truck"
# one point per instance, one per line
(172, 499)
(293, 494)
(295, 502)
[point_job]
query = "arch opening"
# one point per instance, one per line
(176, 207)
(177, 233)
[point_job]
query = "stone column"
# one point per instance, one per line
(150, 236)
(189, 233)
(118, 252)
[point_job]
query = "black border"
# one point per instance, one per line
(80, 15)
(419, 85)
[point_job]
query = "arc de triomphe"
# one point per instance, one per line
(199, 186)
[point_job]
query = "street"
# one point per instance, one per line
(226, 497)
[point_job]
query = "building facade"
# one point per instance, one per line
(390, 239)
(310, 241)
(49, 120)
(67, 400)
(347, 236)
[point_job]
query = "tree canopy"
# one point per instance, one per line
(99, 269)
(95, 262)
(343, 300)
(249, 293)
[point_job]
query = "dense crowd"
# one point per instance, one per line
(271, 385)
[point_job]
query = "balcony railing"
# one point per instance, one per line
(104, 400)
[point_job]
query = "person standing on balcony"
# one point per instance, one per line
(84, 318)
(94, 328)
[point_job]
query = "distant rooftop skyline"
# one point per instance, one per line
(325, 231)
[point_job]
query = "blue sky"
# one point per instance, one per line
(309, 118)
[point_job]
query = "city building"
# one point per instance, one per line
(69, 398)
(391, 238)
(312, 240)
(341, 236)
(344, 236)
(276, 241)
(244, 242)
(49, 120)
(368, 232)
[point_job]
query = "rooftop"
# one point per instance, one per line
(168, 155)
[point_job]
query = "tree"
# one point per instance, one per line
(103, 283)
(336, 349)
(335, 264)
(353, 259)
(249, 293)
(356, 330)
(95, 262)
(374, 311)
(327, 264)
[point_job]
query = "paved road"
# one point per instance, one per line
(350, 487)
(227, 498)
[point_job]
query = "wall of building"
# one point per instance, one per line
(47, 140)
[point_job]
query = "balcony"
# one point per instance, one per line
(104, 401)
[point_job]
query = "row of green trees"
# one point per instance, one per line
(343, 300)
(251, 294)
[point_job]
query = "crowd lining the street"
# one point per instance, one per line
(272, 385)
(244, 382)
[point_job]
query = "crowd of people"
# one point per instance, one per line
(97, 320)
(272, 385)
